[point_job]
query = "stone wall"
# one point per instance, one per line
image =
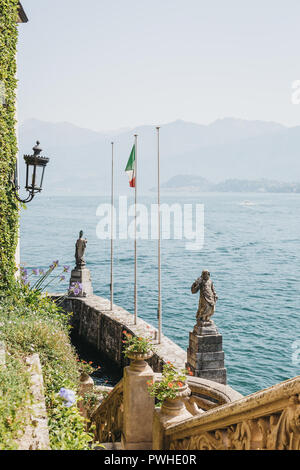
(102, 328)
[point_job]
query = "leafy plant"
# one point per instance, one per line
(40, 277)
(67, 427)
(91, 399)
(170, 384)
(14, 397)
(136, 344)
(30, 322)
(9, 207)
(87, 367)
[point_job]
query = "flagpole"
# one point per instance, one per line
(135, 244)
(159, 310)
(112, 230)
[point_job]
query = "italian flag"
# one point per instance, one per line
(130, 168)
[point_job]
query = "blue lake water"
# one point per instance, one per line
(252, 252)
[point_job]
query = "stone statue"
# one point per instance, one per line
(208, 298)
(79, 251)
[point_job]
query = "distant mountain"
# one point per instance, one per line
(183, 182)
(80, 159)
(192, 183)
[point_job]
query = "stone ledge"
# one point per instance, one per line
(36, 435)
(102, 328)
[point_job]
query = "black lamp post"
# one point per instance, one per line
(35, 168)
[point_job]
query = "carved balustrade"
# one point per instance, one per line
(267, 420)
(108, 417)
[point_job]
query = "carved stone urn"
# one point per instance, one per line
(138, 360)
(176, 406)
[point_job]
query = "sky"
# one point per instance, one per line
(111, 64)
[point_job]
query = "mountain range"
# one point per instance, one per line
(80, 159)
(191, 184)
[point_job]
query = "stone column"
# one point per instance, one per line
(205, 356)
(138, 407)
(82, 276)
(171, 412)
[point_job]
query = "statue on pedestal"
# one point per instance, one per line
(207, 300)
(205, 355)
(79, 251)
(80, 282)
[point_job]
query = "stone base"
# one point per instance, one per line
(83, 276)
(205, 357)
(138, 409)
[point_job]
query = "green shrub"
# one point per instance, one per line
(67, 427)
(32, 323)
(14, 396)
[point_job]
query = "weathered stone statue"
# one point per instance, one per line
(80, 281)
(205, 355)
(208, 297)
(79, 251)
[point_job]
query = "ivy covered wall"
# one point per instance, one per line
(9, 213)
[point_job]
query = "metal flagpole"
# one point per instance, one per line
(159, 310)
(135, 244)
(112, 230)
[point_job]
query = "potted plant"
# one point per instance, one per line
(138, 349)
(170, 390)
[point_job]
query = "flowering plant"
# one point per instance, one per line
(87, 367)
(170, 384)
(41, 282)
(68, 396)
(136, 344)
(75, 289)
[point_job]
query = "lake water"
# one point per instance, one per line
(253, 254)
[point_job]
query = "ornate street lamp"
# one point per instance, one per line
(35, 168)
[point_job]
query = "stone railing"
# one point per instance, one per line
(267, 420)
(206, 394)
(110, 420)
(108, 417)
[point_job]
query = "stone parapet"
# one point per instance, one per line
(36, 433)
(103, 329)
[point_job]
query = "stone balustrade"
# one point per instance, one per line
(108, 417)
(118, 417)
(204, 416)
(269, 420)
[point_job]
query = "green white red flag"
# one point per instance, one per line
(130, 168)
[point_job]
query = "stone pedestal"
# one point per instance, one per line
(172, 411)
(86, 384)
(205, 355)
(83, 277)
(138, 407)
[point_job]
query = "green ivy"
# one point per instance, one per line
(9, 208)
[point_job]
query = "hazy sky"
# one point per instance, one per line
(106, 64)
